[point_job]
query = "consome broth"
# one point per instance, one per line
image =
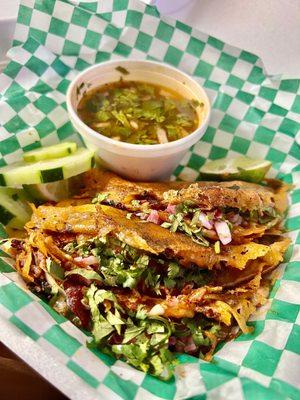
(139, 112)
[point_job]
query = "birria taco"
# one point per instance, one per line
(152, 269)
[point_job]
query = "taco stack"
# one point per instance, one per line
(152, 269)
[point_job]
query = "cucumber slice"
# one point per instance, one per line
(24, 173)
(14, 208)
(50, 152)
(52, 191)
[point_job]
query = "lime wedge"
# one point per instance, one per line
(241, 168)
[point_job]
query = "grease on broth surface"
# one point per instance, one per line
(139, 112)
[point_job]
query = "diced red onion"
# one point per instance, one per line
(173, 301)
(239, 220)
(156, 310)
(134, 125)
(171, 209)
(101, 124)
(218, 213)
(91, 260)
(153, 217)
(142, 215)
(190, 346)
(203, 218)
(223, 232)
(236, 219)
(172, 340)
(161, 136)
(179, 347)
(165, 93)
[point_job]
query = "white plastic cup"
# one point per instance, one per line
(167, 7)
(135, 161)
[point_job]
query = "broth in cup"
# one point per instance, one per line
(139, 112)
(159, 127)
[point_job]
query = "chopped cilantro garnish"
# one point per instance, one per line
(143, 342)
(125, 266)
(99, 198)
(234, 187)
(103, 116)
(135, 203)
(140, 109)
(55, 269)
(178, 222)
(264, 216)
(178, 276)
(85, 273)
(15, 196)
(122, 70)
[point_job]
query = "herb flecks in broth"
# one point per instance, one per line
(139, 113)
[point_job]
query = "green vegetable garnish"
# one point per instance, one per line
(143, 341)
(122, 70)
(189, 227)
(55, 269)
(122, 265)
(99, 198)
(138, 112)
(85, 273)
